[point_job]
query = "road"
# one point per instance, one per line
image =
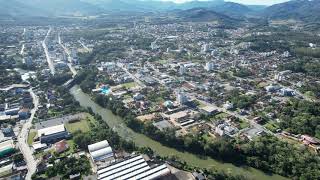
(84, 46)
(22, 49)
(22, 140)
(131, 75)
(45, 48)
(66, 50)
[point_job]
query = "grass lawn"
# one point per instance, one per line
(31, 135)
(221, 115)
(163, 61)
(129, 85)
(208, 138)
(244, 124)
(200, 104)
(83, 126)
(272, 126)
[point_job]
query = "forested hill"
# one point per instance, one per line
(304, 10)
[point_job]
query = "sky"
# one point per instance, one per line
(254, 2)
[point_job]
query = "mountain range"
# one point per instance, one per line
(304, 10)
(94, 7)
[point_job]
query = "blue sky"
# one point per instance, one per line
(256, 2)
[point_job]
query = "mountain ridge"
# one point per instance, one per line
(303, 10)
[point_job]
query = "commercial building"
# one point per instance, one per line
(53, 134)
(100, 151)
(133, 167)
(181, 98)
(209, 110)
(6, 148)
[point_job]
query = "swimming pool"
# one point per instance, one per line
(105, 90)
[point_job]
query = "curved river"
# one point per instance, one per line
(118, 125)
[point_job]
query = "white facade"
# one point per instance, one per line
(182, 70)
(228, 105)
(204, 48)
(209, 66)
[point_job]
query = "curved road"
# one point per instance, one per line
(23, 136)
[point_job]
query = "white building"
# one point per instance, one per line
(228, 105)
(225, 129)
(133, 167)
(205, 48)
(182, 70)
(209, 66)
(278, 77)
(100, 151)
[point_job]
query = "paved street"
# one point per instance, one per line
(66, 50)
(131, 75)
(45, 48)
(22, 140)
(84, 46)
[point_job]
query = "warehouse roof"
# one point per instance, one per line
(100, 151)
(134, 167)
(51, 130)
(99, 145)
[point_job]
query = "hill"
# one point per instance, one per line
(19, 8)
(14, 8)
(206, 15)
(232, 9)
(53, 8)
(304, 10)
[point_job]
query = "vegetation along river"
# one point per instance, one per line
(118, 125)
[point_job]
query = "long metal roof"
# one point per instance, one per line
(133, 168)
(98, 145)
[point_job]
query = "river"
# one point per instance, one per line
(118, 125)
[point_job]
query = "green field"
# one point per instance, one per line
(129, 85)
(244, 124)
(31, 135)
(272, 126)
(82, 126)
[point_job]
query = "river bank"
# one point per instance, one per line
(118, 125)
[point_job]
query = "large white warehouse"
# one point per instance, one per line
(100, 151)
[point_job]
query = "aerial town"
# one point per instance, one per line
(149, 97)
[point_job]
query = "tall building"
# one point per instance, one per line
(74, 53)
(182, 70)
(181, 98)
(205, 48)
(209, 66)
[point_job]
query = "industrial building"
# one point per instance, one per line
(53, 134)
(133, 167)
(100, 151)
